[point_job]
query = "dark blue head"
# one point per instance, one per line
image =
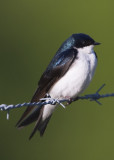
(83, 40)
(78, 40)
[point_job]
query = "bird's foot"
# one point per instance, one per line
(70, 100)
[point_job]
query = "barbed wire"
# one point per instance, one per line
(44, 101)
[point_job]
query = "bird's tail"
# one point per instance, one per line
(35, 116)
(34, 113)
(40, 125)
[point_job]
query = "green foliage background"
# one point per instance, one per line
(31, 31)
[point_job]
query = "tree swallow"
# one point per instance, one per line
(67, 76)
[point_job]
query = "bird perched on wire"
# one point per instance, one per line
(67, 76)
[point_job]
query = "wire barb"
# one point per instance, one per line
(98, 95)
(7, 117)
(100, 88)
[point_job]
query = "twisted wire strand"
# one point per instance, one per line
(44, 101)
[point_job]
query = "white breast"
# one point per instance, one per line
(76, 80)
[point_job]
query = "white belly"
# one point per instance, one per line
(74, 82)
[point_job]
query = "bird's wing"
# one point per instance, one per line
(55, 70)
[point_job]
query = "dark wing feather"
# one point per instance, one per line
(56, 69)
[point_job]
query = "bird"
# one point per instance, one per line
(67, 76)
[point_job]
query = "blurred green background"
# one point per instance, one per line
(31, 31)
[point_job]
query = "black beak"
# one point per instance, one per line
(97, 43)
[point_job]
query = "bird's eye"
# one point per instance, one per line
(83, 42)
